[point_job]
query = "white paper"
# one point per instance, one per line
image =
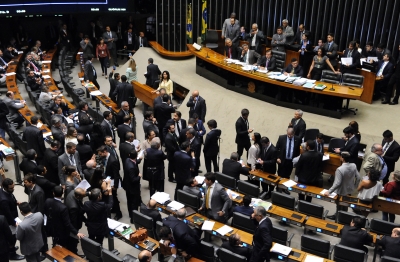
(332, 195)
(325, 157)
(224, 230)
(17, 220)
(46, 71)
(136, 143)
(289, 183)
(197, 46)
(176, 205)
(46, 76)
(347, 60)
(96, 93)
(113, 224)
(83, 184)
(200, 179)
(140, 155)
(20, 52)
(39, 124)
(310, 258)
(362, 60)
(18, 104)
(10, 74)
(281, 249)
(374, 58)
(263, 71)
(44, 219)
(46, 134)
(231, 193)
(208, 225)
(160, 197)
(46, 62)
(81, 78)
(80, 53)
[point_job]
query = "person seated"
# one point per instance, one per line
(234, 244)
(384, 71)
(381, 50)
(319, 63)
(293, 69)
(192, 188)
(279, 40)
(355, 236)
(46, 96)
(267, 62)
(391, 244)
(9, 54)
(358, 48)
(58, 102)
(230, 50)
(351, 52)
(246, 209)
(34, 82)
(319, 45)
(368, 51)
(32, 63)
(248, 56)
(151, 211)
(233, 167)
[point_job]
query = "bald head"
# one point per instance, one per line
(144, 256)
(152, 203)
(91, 164)
(79, 193)
(195, 93)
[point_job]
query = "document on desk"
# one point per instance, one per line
(113, 224)
(281, 249)
(289, 183)
(200, 179)
(46, 76)
(176, 205)
(264, 71)
(224, 230)
(10, 74)
(160, 197)
(96, 93)
(84, 184)
(46, 71)
(332, 195)
(310, 258)
(208, 225)
(232, 193)
(347, 60)
(374, 58)
(46, 62)
(325, 157)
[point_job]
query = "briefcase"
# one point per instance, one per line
(138, 235)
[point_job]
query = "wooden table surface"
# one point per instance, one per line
(268, 178)
(322, 224)
(286, 213)
(59, 253)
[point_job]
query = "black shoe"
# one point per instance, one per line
(393, 103)
(116, 64)
(286, 191)
(333, 217)
(16, 248)
(57, 82)
(172, 180)
(16, 257)
(384, 102)
(82, 256)
(200, 171)
(42, 257)
(117, 217)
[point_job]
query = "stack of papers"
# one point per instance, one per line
(289, 183)
(46, 71)
(160, 197)
(320, 87)
(46, 76)
(46, 62)
(281, 249)
(300, 82)
(281, 77)
(262, 70)
(46, 134)
(113, 224)
(224, 230)
(308, 85)
(332, 195)
(10, 74)
(208, 225)
(6, 150)
(200, 179)
(325, 157)
(96, 93)
(310, 258)
(291, 79)
(175, 205)
(255, 202)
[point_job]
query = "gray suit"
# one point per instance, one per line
(87, 49)
(370, 160)
(29, 234)
(289, 34)
(64, 160)
(233, 33)
(112, 45)
(220, 201)
(12, 107)
(253, 57)
(346, 179)
(278, 42)
(227, 23)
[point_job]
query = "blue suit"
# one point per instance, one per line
(199, 126)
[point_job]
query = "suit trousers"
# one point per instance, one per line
(116, 209)
(113, 53)
(171, 168)
(285, 168)
(389, 89)
(35, 257)
(4, 257)
(133, 201)
(178, 186)
(98, 238)
(94, 81)
(211, 159)
(217, 218)
(240, 149)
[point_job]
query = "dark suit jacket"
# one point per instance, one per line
(65, 37)
(234, 52)
(199, 127)
(262, 241)
(122, 130)
(281, 147)
(387, 71)
(32, 83)
(6, 237)
(124, 150)
(354, 237)
(113, 85)
(171, 145)
(155, 159)
(106, 129)
(352, 147)
(158, 100)
(242, 132)
(85, 122)
(106, 37)
(85, 154)
(253, 57)
(271, 64)
(27, 166)
(153, 213)
(152, 74)
(232, 32)
(50, 161)
(242, 251)
(58, 222)
(131, 181)
(391, 246)
(234, 169)
(119, 118)
(391, 156)
(366, 54)
(356, 62)
(200, 109)
(298, 71)
(172, 122)
(163, 113)
(112, 168)
(211, 147)
(269, 157)
(89, 74)
(64, 160)
(300, 128)
(96, 212)
(3, 115)
(46, 186)
(75, 210)
(333, 49)
(36, 200)
(60, 137)
(34, 139)
(8, 207)
(182, 170)
(145, 43)
(8, 56)
(124, 92)
(309, 167)
(298, 36)
(259, 39)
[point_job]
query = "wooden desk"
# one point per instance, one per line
(322, 226)
(27, 115)
(295, 255)
(170, 54)
(16, 161)
(59, 253)
(193, 259)
(355, 203)
(237, 201)
(144, 93)
(386, 205)
(140, 245)
(105, 100)
(286, 215)
(265, 177)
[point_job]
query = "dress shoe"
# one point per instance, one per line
(393, 103)
(172, 180)
(16, 257)
(333, 217)
(384, 102)
(42, 257)
(117, 217)
(132, 221)
(116, 64)
(286, 191)
(16, 248)
(57, 82)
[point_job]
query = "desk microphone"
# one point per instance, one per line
(332, 89)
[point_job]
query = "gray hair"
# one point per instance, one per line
(285, 21)
(304, 146)
(261, 211)
(374, 147)
(255, 25)
(181, 213)
(227, 39)
(123, 102)
(300, 112)
(154, 144)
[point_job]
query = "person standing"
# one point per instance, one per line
(255, 37)
(262, 240)
(75, 211)
(155, 166)
(211, 146)
(152, 74)
(50, 162)
(131, 183)
(298, 124)
(163, 113)
(267, 162)
(197, 105)
(111, 38)
(171, 146)
(242, 132)
(351, 144)
(90, 72)
(29, 233)
(124, 92)
(34, 139)
(87, 48)
(35, 193)
(227, 23)
(391, 153)
(113, 84)
(5, 239)
(103, 55)
(184, 165)
(391, 190)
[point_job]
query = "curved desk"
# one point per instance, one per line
(170, 54)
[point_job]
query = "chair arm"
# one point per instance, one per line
(289, 240)
(262, 196)
(325, 213)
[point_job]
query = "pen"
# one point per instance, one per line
(351, 88)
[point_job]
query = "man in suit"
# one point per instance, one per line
(85, 120)
(391, 153)
(125, 111)
(107, 126)
(43, 182)
(374, 160)
(71, 157)
(33, 81)
(390, 244)
(163, 114)
(185, 163)
(58, 222)
(351, 144)
(384, 71)
(65, 37)
(381, 50)
(90, 72)
(293, 69)
(126, 147)
(85, 151)
(111, 169)
(155, 166)
(3, 118)
(114, 82)
(124, 92)
(216, 203)
(96, 211)
(141, 41)
(395, 79)
(192, 188)
(5, 238)
(247, 56)
(58, 134)
(29, 233)
(182, 134)
(34, 139)
(232, 167)
(355, 236)
(195, 147)
(198, 125)
(211, 146)
(94, 32)
(231, 51)
(319, 143)
(262, 240)
(87, 48)
(243, 131)
(267, 62)
(287, 31)
(151, 210)
(299, 34)
(246, 209)
(267, 163)
(28, 164)
(150, 123)
(309, 167)
(171, 146)
(331, 49)
(180, 126)
(124, 128)
(9, 54)
(35, 193)
(298, 124)
(152, 74)
(288, 147)
(255, 37)
(111, 38)
(129, 41)
(351, 52)
(227, 23)
(368, 51)
(279, 40)
(50, 161)
(197, 105)
(111, 148)
(58, 102)
(234, 245)
(232, 32)
(75, 211)
(13, 107)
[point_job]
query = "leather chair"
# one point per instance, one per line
(352, 80)
(283, 200)
(311, 134)
(225, 180)
(389, 259)
(382, 227)
(345, 218)
(243, 222)
(316, 246)
(159, 224)
(109, 256)
(91, 249)
(335, 143)
(280, 59)
(281, 236)
(247, 188)
(188, 199)
(141, 220)
(206, 252)
(348, 254)
(212, 39)
(330, 77)
(225, 255)
(311, 209)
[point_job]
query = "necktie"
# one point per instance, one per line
(349, 53)
(292, 72)
(71, 159)
(207, 196)
(109, 34)
(385, 147)
(34, 67)
(329, 45)
(141, 42)
(288, 155)
(230, 52)
(4, 62)
(178, 127)
(245, 58)
(319, 147)
(266, 64)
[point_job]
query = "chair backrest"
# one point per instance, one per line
(280, 59)
(226, 255)
(283, 200)
(206, 252)
(91, 249)
(348, 254)
(353, 80)
(330, 77)
(212, 36)
(188, 199)
(279, 235)
(315, 246)
(310, 209)
(382, 227)
(389, 259)
(243, 222)
(345, 218)
(109, 256)
(225, 180)
(335, 143)
(142, 220)
(159, 224)
(311, 134)
(248, 188)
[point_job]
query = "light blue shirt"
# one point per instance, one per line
(384, 168)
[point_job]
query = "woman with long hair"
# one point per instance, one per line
(131, 71)
(103, 55)
(254, 151)
(320, 62)
(72, 179)
(71, 136)
(356, 130)
(166, 83)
